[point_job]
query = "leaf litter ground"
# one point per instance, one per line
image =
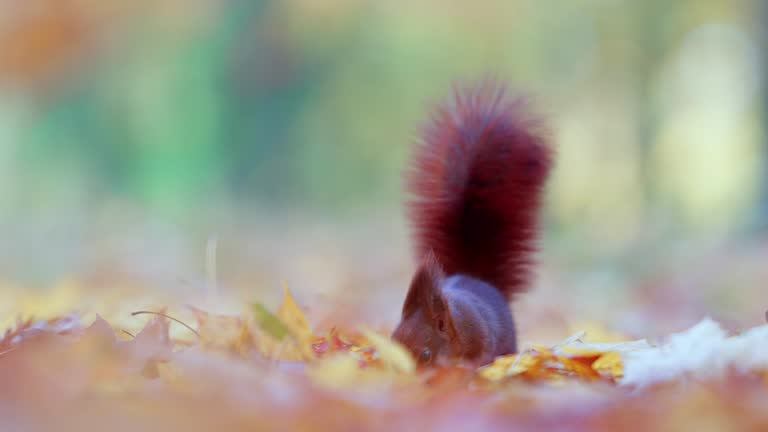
(264, 369)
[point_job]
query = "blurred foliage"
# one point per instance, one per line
(179, 106)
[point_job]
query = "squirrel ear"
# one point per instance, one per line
(425, 287)
(437, 307)
(441, 316)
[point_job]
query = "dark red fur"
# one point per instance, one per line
(476, 185)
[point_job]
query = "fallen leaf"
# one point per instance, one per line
(269, 322)
(609, 364)
(390, 353)
(293, 317)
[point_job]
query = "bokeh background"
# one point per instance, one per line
(191, 146)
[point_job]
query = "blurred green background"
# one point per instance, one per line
(136, 135)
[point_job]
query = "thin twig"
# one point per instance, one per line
(519, 357)
(169, 317)
(8, 350)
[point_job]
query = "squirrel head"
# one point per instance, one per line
(426, 328)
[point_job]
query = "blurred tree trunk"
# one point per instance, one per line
(761, 222)
(654, 27)
(655, 30)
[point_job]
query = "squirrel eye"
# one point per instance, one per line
(426, 356)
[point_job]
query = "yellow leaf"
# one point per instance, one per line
(288, 333)
(392, 355)
(579, 368)
(508, 366)
(609, 364)
(244, 341)
(224, 333)
(293, 317)
(586, 349)
(340, 371)
(168, 373)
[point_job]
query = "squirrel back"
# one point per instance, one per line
(476, 181)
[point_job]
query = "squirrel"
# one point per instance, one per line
(476, 182)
